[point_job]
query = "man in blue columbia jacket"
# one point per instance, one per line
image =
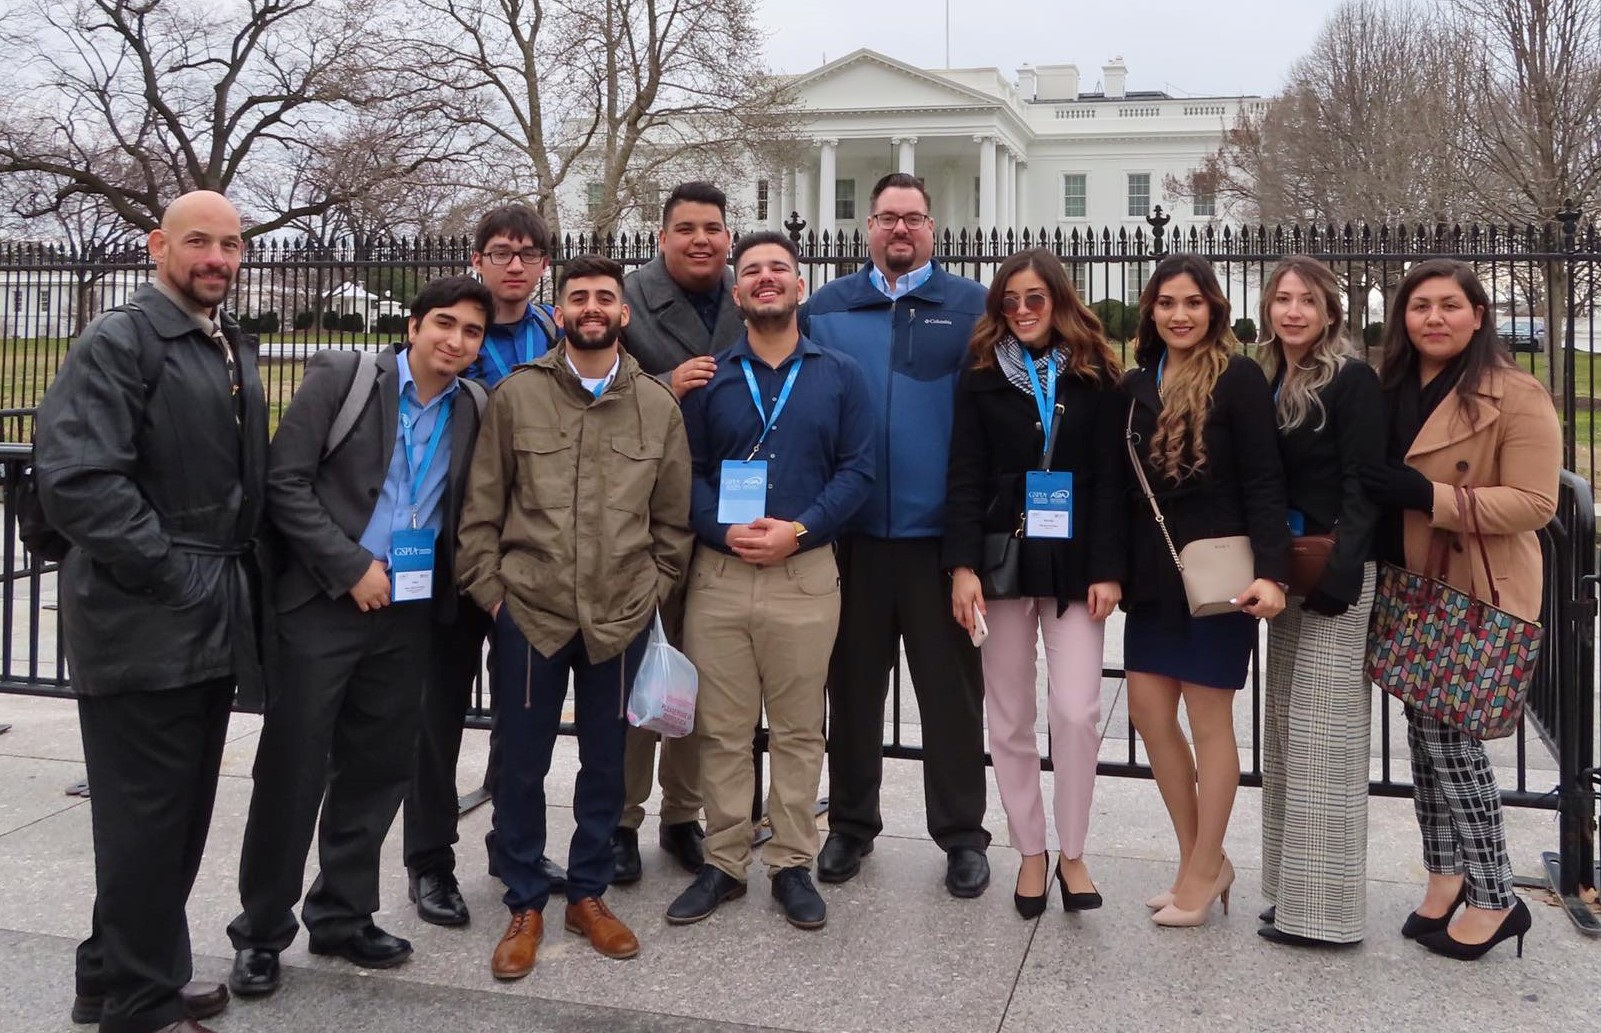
(906, 321)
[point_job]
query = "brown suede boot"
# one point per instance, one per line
(592, 918)
(514, 955)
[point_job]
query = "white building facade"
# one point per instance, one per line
(1037, 151)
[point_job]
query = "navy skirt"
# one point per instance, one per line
(1211, 651)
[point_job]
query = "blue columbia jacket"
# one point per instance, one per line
(911, 350)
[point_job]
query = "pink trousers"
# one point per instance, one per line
(1073, 710)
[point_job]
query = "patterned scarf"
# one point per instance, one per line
(1009, 357)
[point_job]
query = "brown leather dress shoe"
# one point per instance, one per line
(200, 1001)
(592, 918)
(514, 955)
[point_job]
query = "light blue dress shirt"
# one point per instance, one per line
(393, 510)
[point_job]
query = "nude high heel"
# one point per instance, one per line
(1177, 918)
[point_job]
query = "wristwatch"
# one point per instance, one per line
(800, 529)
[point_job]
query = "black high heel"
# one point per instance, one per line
(1033, 907)
(1075, 901)
(1417, 925)
(1517, 923)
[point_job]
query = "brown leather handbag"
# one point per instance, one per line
(1309, 558)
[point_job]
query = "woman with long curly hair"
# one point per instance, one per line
(1041, 366)
(1201, 424)
(1319, 702)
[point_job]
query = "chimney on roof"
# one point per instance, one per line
(1114, 78)
(1027, 83)
(1056, 82)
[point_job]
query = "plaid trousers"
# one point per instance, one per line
(1459, 810)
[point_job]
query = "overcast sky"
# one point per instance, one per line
(1186, 48)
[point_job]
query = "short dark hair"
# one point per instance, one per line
(588, 265)
(517, 221)
(698, 192)
(899, 179)
(447, 291)
(760, 238)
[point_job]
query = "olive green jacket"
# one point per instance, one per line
(577, 508)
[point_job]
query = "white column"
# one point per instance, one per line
(1019, 192)
(825, 184)
(803, 198)
(908, 154)
(1003, 191)
(791, 199)
(986, 182)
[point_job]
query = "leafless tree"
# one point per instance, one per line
(625, 95)
(133, 101)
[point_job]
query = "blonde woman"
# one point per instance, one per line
(1315, 739)
(1203, 428)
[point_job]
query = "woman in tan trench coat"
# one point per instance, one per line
(1462, 415)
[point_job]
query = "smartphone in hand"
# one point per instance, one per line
(981, 631)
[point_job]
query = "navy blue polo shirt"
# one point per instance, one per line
(819, 454)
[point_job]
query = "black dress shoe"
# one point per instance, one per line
(1417, 925)
(967, 872)
(1075, 901)
(1517, 923)
(1274, 934)
(255, 972)
(803, 907)
(682, 840)
(626, 865)
(711, 887)
(369, 947)
(1269, 916)
(438, 899)
(841, 857)
(200, 1001)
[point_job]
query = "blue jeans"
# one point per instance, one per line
(528, 717)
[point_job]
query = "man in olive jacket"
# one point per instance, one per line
(150, 456)
(574, 530)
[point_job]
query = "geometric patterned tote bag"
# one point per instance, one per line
(1461, 660)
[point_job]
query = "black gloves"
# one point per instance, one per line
(1398, 486)
(1319, 601)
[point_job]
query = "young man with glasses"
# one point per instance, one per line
(511, 252)
(682, 311)
(907, 322)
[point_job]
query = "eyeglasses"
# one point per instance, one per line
(1034, 301)
(913, 220)
(503, 256)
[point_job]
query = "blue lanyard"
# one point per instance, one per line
(1161, 364)
(1044, 398)
(768, 422)
(525, 355)
(441, 420)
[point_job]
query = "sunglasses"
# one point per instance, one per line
(1034, 301)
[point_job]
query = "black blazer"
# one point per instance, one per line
(997, 439)
(1240, 490)
(1321, 466)
(320, 507)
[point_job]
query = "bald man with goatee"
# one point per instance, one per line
(151, 461)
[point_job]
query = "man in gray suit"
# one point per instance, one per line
(682, 311)
(367, 511)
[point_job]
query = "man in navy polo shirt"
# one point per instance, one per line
(781, 440)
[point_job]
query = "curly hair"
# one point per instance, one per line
(1075, 329)
(1178, 448)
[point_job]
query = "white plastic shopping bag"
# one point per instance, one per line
(663, 697)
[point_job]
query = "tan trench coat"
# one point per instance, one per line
(1511, 455)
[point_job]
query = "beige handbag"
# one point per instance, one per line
(1215, 570)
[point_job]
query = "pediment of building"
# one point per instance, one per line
(869, 81)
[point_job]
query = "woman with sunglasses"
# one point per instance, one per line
(1041, 372)
(1319, 702)
(1203, 430)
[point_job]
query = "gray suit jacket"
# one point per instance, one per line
(664, 330)
(320, 507)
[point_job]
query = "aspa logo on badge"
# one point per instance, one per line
(1061, 497)
(753, 482)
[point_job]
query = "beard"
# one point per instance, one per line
(899, 263)
(602, 340)
(773, 317)
(205, 295)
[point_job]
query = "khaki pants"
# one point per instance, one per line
(761, 636)
(679, 772)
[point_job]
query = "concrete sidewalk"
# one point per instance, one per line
(898, 952)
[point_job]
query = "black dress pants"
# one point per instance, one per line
(894, 589)
(153, 759)
(431, 801)
(340, 733)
